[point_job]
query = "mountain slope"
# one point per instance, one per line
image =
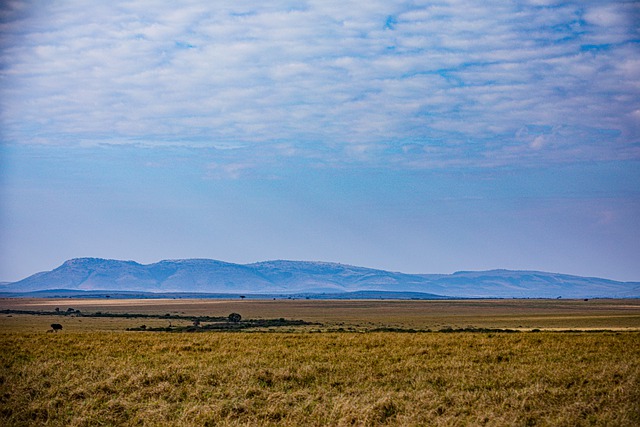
(290, 277)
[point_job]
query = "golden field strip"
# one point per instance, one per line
(356, 314)
(94, 372)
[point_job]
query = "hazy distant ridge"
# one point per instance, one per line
(291, 277)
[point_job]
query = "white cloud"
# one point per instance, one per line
(607, 15)
(325, 72)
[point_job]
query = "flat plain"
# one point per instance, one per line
(521, 314)
(338, 371)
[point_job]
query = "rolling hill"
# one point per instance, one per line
(304, 277)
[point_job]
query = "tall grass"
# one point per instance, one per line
(106, 378)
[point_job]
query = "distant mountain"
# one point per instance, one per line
(303, 277)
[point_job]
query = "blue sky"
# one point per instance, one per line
(412, 136)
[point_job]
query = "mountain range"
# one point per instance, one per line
(304, 277)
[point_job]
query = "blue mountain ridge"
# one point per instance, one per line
(296, 277)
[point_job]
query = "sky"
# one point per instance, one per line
(413, 136)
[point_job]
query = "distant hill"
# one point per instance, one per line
(303, 277)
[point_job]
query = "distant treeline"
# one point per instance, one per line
(227, 326)
(216, 323)
(77, 313)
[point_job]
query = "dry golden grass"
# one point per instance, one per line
(109, 378)
(362, 314)
(95, 373)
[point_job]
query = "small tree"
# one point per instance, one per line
(234, 317)
(55, 327)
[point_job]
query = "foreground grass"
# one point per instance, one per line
(117, 378)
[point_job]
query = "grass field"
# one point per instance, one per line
(95, 373)
(355, 314)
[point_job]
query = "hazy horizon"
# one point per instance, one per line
(419, 137)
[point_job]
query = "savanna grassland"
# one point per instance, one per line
(96, 373)
(349, 314)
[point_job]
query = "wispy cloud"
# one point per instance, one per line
(471, 83)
